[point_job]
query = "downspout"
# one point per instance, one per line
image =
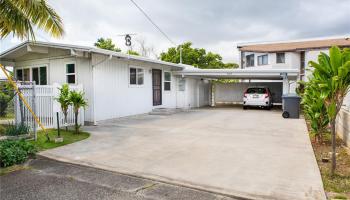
(93, 85)
(176, 85)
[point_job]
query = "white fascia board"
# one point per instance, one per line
(94, 50)
(253, 71)
(239, 73)
(136, 58)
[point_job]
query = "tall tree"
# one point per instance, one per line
(145, 49)
(197, 57)
(332, 75)
(19, 16)
(107, 44)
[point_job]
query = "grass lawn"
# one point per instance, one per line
(41, 144)
(13, 168)
(68, 138)
(8, 116)
(337, 187)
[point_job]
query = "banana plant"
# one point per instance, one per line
(332, 76)
(315, 109)
(78, 101)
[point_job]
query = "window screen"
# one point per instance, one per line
(19, 73)
(35, 73)
(70, 73)
(136, 76)
(167, 81)
(262, 60)
(43, 76)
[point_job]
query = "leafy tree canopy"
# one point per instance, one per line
(107, 44)
(197, 57)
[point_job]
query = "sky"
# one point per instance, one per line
(214, 25)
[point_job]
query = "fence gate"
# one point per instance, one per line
(42, 99)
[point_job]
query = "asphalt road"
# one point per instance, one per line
(49, 179)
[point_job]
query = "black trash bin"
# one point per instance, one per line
(291, 106)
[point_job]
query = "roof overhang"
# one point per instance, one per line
(253, 74)
(42, 47)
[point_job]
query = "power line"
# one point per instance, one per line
(149, 19)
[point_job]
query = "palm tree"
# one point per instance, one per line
(19, 16)
(64, 101)
(332, 74)
(78, 101)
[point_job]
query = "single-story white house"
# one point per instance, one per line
(115, 84)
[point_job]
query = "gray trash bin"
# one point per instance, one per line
(291, 106)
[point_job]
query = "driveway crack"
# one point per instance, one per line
(145, 187)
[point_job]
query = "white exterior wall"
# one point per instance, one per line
(196, 94)
(292, 60)
(115, 97)
(55, 62)
(312, 55)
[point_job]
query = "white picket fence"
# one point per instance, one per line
(42, 99)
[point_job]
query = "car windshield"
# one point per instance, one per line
(256, 91)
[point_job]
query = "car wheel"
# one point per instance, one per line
(244, 107)
(268, 107)
(285, 114)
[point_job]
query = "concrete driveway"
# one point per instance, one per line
(252, 153)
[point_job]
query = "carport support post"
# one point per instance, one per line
(285, 84)
(212, 94)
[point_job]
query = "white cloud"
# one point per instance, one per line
(217, 26)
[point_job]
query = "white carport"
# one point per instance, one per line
(288, 77)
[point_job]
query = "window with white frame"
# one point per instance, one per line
(136, 76)
(37, 74)
(263, 60)
(280, 58)
(167, 81)
(19, 74)
(70, 73)
(23, 74)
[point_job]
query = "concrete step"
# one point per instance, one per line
(165, 111)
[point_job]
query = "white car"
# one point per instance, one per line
(257, 96)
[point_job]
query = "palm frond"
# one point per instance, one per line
(19, 17)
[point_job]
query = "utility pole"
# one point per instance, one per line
(180, 54)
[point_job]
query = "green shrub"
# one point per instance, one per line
(2, 130)
(15, 152)
(3, 103)
(14, 130)
(4, 98)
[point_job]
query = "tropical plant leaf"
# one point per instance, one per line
(19, 16)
